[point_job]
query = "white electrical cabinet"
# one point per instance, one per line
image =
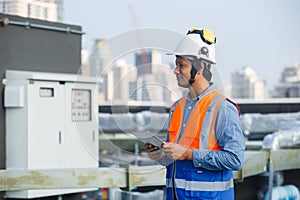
(51, 123)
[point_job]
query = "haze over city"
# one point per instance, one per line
(261, 34)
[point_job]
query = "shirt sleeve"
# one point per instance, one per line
(230, 138)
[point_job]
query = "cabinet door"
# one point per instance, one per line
(45, 124)
(81, 149)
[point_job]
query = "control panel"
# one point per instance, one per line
(51, 123)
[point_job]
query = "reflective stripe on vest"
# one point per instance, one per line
(199, 131)
(201, 186)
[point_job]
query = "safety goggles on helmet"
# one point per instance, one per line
(206, 35)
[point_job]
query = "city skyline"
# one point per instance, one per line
(263, 35)
(50, 10)
(245, 83)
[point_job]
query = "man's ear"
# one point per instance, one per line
(200, 71)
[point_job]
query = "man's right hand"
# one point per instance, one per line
(154, 152)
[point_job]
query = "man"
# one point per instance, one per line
(205, 141)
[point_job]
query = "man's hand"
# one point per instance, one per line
(177, 151)
(154, 152)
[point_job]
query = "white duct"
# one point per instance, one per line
(130, 122)
(267, 123)
(281, 139)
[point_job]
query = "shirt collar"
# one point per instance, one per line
(209, 89)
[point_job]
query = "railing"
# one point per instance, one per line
(256, 162)
(6, 21)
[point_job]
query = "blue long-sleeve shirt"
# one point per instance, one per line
(227, 130)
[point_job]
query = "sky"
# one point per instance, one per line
(264, 35)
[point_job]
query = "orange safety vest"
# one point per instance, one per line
(192, 130)
(183, 179)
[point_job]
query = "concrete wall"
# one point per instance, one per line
(35, 49)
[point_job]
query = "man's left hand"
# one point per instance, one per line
(177, 151)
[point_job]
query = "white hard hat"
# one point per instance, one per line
(199, 43)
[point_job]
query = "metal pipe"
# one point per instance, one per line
(28, 24)
(136, 153)
(271, 175)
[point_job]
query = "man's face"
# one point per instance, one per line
(183, 71)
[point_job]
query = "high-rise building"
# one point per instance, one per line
(50, 10)
(291, 74)
(155, 81)
(100, 58)
(100, 66)
(123, 75)
(85, 66)
(247, 84)
(289, 85)
(144, 61)
(120, 81)
(60, 10)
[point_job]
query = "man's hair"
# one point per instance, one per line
(206, 71)
(196, 64)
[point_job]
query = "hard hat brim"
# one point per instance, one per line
(173, 53)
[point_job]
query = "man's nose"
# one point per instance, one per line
(176, 70)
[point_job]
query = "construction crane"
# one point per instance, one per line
(138, 35)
